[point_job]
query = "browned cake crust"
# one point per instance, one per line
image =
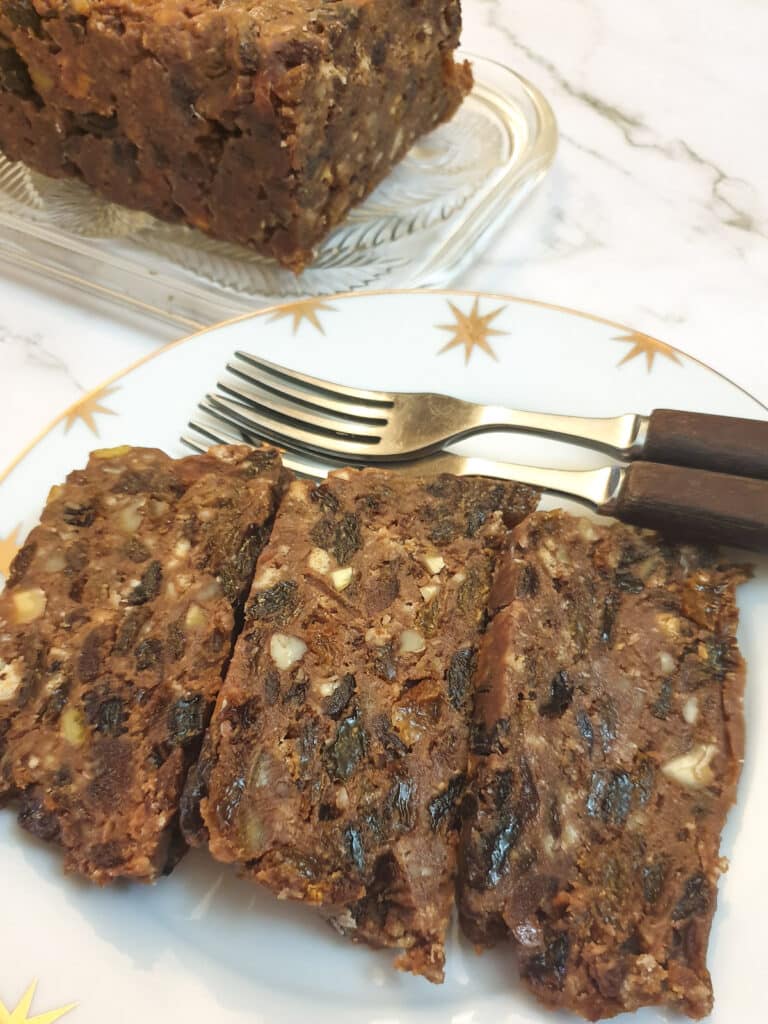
(115, 627)
(257, 123)
(607, 746)
(336, 755)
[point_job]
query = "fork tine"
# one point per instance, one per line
(218, 432)
(340, 391)
(285, 388)
(277, 430)
(259, 435)
(193, 442)
(254, 434)
(299, 415)
(292, 461)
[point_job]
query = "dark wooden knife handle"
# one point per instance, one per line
(694, 504)
(725, 444)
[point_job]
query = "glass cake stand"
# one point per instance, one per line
(420, 228)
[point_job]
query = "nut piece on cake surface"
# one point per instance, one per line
(606, 749)
(112, 645)
(260, 124)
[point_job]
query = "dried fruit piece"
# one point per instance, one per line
(653, 881)
(337, 701)
(35, 818)
(186, 720)
(149, 654)
(442, 806)
(21, 564)
(89, 661)
(610, 796)
(107, 715)
(661, 707)
(559, 696)
(549, 967)
(275, 604)
(348, 748)
(149, 586)
(696, 898)
(355, 846)
(459, 676)
(129, 629)
(339, 536)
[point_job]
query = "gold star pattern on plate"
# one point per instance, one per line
(88, 409)
(19, 1015)
(471, 330)
(8, 547)
(304, 309)
(643, 345)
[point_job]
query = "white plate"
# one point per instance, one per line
(202, 946)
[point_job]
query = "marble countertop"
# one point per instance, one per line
(652, 215)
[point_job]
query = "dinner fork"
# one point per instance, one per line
(693, 503)
(377, 426)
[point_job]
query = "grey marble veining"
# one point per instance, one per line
(654, 214)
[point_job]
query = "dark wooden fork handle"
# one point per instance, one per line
(694, 504)
(725, 444)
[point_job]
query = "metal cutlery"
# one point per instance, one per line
(367, 426)
(693, 503)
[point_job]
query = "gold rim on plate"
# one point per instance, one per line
(287, 306)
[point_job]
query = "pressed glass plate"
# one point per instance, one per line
(419, 228)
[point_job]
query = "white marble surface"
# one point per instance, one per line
(653, 214)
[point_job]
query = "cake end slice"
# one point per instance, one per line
(606, 749)
(116, 625)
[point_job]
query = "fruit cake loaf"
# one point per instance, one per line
(607, 745)
(336, 756)
(116, 625)
(259, 123)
